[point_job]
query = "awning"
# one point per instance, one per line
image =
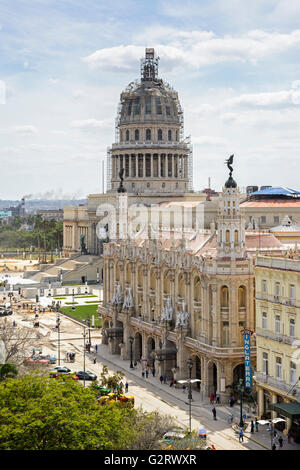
(290, 410)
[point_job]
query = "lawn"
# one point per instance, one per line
(82, 312)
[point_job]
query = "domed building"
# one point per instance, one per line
(150, 143)
(151, 160)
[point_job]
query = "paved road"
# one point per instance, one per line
(149, 393)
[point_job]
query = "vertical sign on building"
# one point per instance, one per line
(247, 350)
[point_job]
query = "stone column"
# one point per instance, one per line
(136, 165)
(273, 400)
(173, 164)
(144, 165)
(159, 165)
(151, 160)
(260, 401)
(166, 165)
(129, 164)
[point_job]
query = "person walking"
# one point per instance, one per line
(280, 440)
(147, 373)
(231, 401)
(143, 373)
(183, 388)
(273, 446)
(153, 371)
(211, 397)
(217, 399)
(256, 425)
(214, 412)
(252, 426)
(95, 360)
(161, 379)
(241, 435)
(126, 387)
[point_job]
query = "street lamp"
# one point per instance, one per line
(131, 355)
(84, 346)
(58, 335)
(190, 367)
(89, 329)
(241, 389)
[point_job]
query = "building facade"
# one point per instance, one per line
(168, 301)
(277, 333)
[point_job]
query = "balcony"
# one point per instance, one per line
(281, 338)
(279, 384)
(147, 144)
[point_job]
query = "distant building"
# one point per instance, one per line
(57, 214)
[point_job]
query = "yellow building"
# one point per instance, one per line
(278, 337)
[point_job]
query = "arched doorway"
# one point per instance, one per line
(150, 349)
(138, 347)
(212, 378)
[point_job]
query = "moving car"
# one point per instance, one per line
(62, 372)
(86, 375)
(36, 360)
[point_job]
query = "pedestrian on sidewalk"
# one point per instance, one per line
(241, 435)
(161, 379)
(96, 347)
(252, 426)
(217, 399)
(214, 412)
(256, 424)
(143, 373)
(183, 388)
(273, 446)
(147, 373)
(95, 360)
(280, 440)
(153, 371)
(211, 397)
(231, 401)
(126, 387)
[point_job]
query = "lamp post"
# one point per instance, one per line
(58, 335)
(241, 389)
(84, 347)
(190, 366)
(73, 299)
(89, 329)
(131, 355)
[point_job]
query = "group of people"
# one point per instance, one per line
(146, 371)
(214, 398)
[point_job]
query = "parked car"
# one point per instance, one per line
(52, 359)
(86, 375)
(61, 369)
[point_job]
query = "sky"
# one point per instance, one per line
(64, 63)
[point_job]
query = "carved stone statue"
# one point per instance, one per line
(82, 245)
(128, 299)
(182, 317)
(167, 312)
(121, 188)
(118, 296)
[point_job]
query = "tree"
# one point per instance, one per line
(7, 371)
(16, 343)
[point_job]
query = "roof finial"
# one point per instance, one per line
(149, 65)
(230, 183)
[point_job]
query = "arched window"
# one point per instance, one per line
(227, 235)
(224, 296)
(148, 134)
(242, 297)
(169, 134)
(159, 134)
(236, 236)
(127, 135)
(136, 134)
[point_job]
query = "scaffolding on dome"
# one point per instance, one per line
(108, 169)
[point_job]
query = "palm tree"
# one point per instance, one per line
(7, 371)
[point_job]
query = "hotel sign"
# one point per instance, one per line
(247, 350)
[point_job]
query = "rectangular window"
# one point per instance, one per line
(277, 324)
(148, 105)
(263, 220)
(265, 364)
(264, 286)
(168, 111)
(293, 376)
(278, 368)
(292, 328)
(158, 106)
(292, 292)
(137, 107)
(276, 219)
(277, 289)
(264, 320)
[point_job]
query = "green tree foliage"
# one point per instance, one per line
(8, 371)
(40, 413)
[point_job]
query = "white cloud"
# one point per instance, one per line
(90, 124)
(26, 130)
(196, 49)
(284, 98)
